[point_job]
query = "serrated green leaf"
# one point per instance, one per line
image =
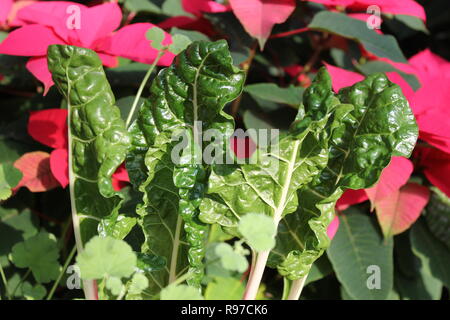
(179, 43)
(106, 257)
(156, 36)
(16, 226)
(40, 254)
(139, 283)
(339, 23)
(114, 285)
(36, 292)
(9, 178)
(181, 292)
(230, 259)
(258, 231)
(356, 247)
(224, 289)
(98, 140)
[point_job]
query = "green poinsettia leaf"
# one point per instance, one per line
(40, 254)
(106, 257)
(98, 139)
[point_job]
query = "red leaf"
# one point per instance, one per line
(49, 127)
(333, 227)
(436, 166)
(398, 211)
(259, 16)
(393, 177)
(197, 7)
(37, 176)
(60, 166)
(242, 147)
(342, 78)
(351, 197)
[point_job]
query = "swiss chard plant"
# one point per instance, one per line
(280, 203)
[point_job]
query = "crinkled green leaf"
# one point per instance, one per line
(117, 226)
(194, 89)
(373, 123)
(98, 140)
(40, 254)
(106, 257)
(268, 184)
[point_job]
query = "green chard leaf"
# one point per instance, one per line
(98, 140)
(190, 93)
(268, 184)
(373, 123)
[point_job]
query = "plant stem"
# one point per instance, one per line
(2, 273)
(142, 86)
(88, 285)
(289, 33)
(256, 275)
(296, 288)
(66, 264)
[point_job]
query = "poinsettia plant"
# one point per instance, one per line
(240, 149)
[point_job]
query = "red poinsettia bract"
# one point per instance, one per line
(49, 127)
(50, 22)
